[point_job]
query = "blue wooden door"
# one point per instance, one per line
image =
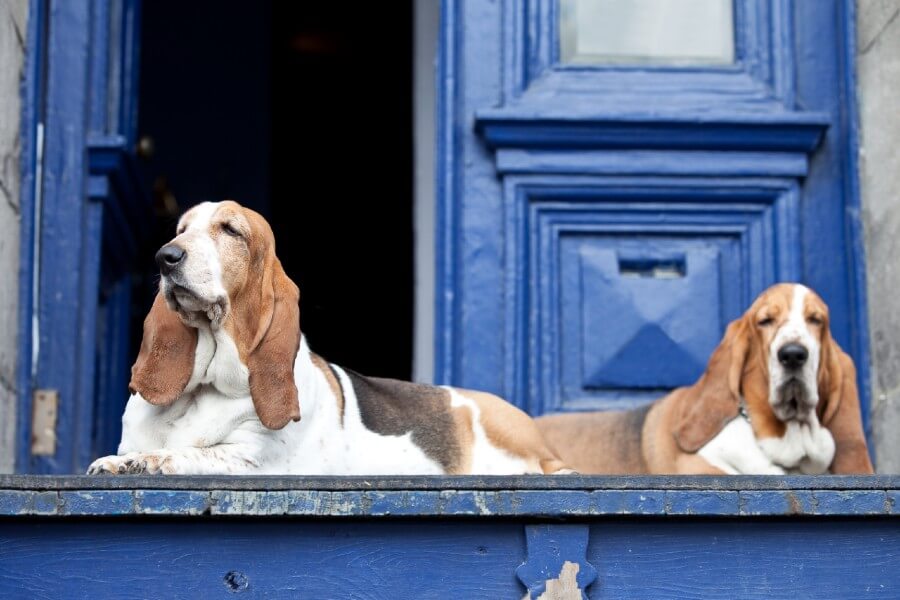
(85, 215)
(607, 205)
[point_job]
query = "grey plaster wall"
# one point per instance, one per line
(13, 14)
(427, 17)
(878, 64)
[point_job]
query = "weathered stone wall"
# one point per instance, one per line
(13, 15)
(878, 64)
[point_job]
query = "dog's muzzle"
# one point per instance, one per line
(794, 401)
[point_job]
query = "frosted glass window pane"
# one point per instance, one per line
(666, 32)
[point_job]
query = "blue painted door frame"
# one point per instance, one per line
(83, 215)
(599, 226)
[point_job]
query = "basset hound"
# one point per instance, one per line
(778, 396)
(224, 370)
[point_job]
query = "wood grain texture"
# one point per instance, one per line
(283, 559)
(634, 558)
(729, 559)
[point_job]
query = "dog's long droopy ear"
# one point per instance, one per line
(271, 356)
(830, 378)
(166, 360)
(839, 409)
(706, 407)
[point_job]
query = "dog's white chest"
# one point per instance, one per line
(217, 360)
(198, 420)
(735, 451)
(806, 447)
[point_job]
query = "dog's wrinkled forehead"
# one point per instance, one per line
(815, 307)
(789, 305)
(213, 218)
(775, 304)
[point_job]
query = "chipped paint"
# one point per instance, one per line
(564, 587)
(18, 496)
(557, 566)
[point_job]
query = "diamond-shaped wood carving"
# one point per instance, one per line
(653, 326)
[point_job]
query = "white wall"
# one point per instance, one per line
(426, 18)
(13, 14)
(878, 65)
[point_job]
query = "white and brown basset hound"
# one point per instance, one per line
(223, 372)
(779, 396)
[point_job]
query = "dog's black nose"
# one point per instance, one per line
(792, 355)
(168, 257)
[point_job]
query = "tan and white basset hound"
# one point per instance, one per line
(778, 396)
(223, 372)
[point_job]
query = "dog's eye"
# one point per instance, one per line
(765, 322)
(814, 320)
(230, 230)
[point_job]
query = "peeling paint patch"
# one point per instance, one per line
(857, 503)
(460, 503)
(627, 502)
(564, 587)
(44, 503)
(28, 503)
(107, 502)
(162, 502)
(403, 503)
(14, 503)
(249, 503)
(778, 502)
(347, 503)
(701, 503)
(304, 502)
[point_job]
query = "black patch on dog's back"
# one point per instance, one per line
(392, 407)
(626, 436)
(634, 420)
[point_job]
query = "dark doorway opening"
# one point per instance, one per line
(302, 111)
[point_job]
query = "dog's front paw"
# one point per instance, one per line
(109, 465)
(565, 471)
(772, 470)
(133, 463)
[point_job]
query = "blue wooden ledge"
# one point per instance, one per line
(557, 497)
(454, 537)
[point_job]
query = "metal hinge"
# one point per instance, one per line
(43, 422)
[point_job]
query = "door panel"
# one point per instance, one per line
(637, 301)
(632, 282)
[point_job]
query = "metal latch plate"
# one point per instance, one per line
(43, 422)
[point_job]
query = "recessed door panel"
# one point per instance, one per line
(649, 311)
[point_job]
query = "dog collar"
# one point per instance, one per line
(742, 410)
